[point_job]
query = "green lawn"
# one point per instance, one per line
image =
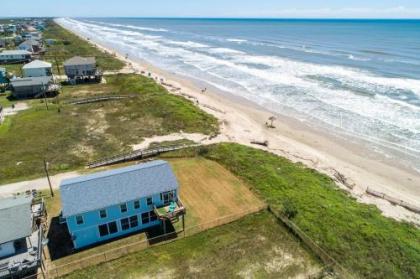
(13, 69)
(68, 45)
(70, 137)
(368, 244)
(256, 246)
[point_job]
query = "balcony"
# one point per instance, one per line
(171, 211)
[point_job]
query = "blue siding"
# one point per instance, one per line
(88, 233)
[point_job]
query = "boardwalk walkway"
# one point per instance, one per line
(138, 154)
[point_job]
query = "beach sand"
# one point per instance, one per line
(352, 166)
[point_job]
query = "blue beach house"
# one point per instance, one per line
(109, 204)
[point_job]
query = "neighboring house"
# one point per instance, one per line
(101, 206)
(21, 236)
(3, 76)
(32, 46)
(33, 87)
(82, 68)
(18, 39)
(37, 68)
(15, 56)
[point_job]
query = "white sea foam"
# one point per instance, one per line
(237, 40)
(188, 44)
(280, 82)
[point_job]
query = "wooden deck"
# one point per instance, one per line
(166, 213)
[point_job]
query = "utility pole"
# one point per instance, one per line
(48, 177)
(58, 66)
(45, 96)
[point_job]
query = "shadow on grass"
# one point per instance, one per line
(60, 244)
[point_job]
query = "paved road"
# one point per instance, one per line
(38, 184)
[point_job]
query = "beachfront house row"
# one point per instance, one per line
(109, 204)
(33, 87)
(21, 236)
(15, 56)
(82, 69)
(37, 68)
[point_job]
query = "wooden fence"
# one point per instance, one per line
(327, 259)
(55, 271)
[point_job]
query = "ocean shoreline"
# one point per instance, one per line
(243, 121)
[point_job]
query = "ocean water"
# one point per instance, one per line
(355, 78)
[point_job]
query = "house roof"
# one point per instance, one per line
(37, 64)
(30, 43)
(18, 82)
(77, 60)
(15, 52)
(113, 187)
(15, 218)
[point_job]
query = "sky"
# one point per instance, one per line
(213, 8)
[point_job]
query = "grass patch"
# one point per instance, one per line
(68, 45)
(14, 69)
(255, 247)
(357, 235)
(81, 133)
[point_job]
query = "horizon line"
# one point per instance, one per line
(207, 17)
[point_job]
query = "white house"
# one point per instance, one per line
(37, 68)
(17, 55)
(20, 236)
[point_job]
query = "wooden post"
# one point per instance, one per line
(48, 177)
(183, 223)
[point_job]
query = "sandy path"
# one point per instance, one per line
(242, 122)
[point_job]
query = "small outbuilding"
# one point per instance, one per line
(37, 68)
(82, 69)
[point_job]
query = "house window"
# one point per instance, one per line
(167, 197)
(123, 207)
(113, 227)
(125, 225)
(107, 229)
(148, 217)
(136, 204)
(134, 222)
(149, 201)
(102, 213)
(103, 230)
(128, 223)
(79, 219)
(145, 218)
